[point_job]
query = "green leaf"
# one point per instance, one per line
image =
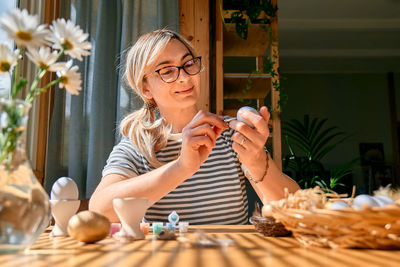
(22, 82)
(296, 129)
(317, 128)
(296, 133)
(300, 126)
(322, 184)
(293, 135)
(289, 146)
(323, 138)
(322, 135)
(320, 152)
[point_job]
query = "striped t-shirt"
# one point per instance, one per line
(215, 194)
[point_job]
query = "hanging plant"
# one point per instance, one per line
(249, 11)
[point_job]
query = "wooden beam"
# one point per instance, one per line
(51, 12)
(194, 25)
(219, 70)
(202, 45)
(276, 122)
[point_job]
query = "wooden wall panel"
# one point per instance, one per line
(194, 25)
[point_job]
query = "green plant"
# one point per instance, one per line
(336, 174)
(250, 11)
(313, 141)
(269, 67)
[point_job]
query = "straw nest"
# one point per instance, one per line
(268, 226)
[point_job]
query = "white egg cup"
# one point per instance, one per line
(130, 212)
(62, 210)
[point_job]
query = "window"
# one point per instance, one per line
(5, 80)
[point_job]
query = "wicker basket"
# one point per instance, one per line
(375, 228)
(268, 226)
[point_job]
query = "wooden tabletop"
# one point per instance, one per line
(249, 248)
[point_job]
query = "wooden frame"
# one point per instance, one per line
(51, 12)
(219, 59)
(276, 121)
(194, 23)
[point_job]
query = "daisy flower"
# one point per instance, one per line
(70, 79)
(69, 37)
(45, 59)
(24, 29)
(8, 58)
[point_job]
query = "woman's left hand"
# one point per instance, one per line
(249, 142)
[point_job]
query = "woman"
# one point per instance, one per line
(187, 160)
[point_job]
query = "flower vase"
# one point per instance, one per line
(24, 205)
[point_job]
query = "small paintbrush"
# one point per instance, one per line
(227, 120)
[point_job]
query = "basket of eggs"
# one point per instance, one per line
(327, 219)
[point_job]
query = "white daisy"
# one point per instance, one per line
(71, 38)
(45, 59)
(8, 58)
(70, 79)
(24, 29)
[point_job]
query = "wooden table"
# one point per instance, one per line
(249, 249)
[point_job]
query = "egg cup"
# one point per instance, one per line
(130, 212)
(62, 210)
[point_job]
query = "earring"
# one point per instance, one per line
(149, 106)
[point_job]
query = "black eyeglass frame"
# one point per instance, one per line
(179, 69)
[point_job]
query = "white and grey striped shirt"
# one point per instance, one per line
(215, 194)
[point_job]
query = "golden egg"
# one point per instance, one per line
(88, 226)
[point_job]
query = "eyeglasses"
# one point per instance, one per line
(171, 74)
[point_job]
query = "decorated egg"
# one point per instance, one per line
(338, 205)
(89, 226)
(383, 200)
(240, 118)
(64, 188)
(364, 200)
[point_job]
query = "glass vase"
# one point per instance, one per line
(24, 205)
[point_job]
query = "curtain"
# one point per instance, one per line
(84, 128)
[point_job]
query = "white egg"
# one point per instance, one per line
(364, 200)
(239, 118)
(383, 200)
(338, 205)
(64, 188)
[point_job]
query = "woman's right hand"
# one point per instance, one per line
(198, 139)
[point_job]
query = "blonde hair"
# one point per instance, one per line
(147, 133)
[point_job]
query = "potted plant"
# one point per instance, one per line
(313, 141)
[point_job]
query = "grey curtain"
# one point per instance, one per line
(83, 128)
